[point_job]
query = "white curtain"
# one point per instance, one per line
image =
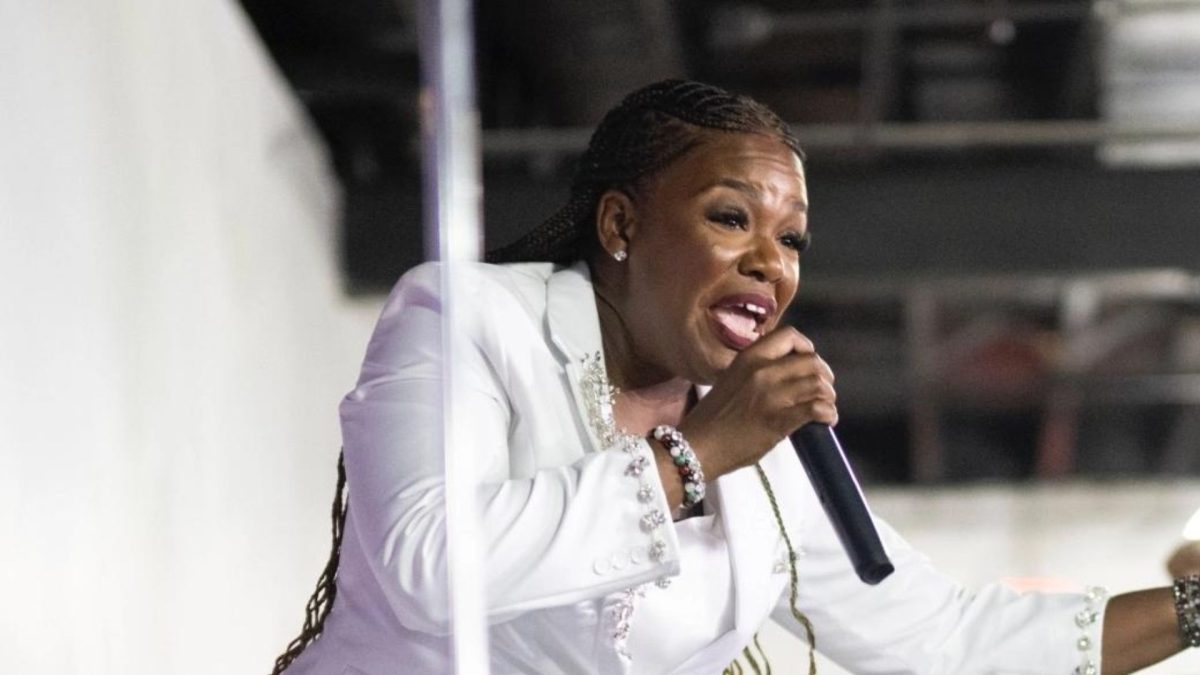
(173, 341)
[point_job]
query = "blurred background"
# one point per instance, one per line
(203, 203)
(1004, 193)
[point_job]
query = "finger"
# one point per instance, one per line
(826, 370)
(793, 400)
(793, 366)
(808, 390)
(821, 412)
(778, 343)
(825, 413)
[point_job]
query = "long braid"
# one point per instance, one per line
(650, 128)
(321, 602)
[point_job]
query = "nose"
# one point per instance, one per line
(763, 259)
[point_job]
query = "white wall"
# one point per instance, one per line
(173, 342)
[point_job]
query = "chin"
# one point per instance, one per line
(707, 359)
(712, 366)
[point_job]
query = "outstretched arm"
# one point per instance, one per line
(1140, 629)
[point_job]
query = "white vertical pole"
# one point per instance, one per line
(453, 234)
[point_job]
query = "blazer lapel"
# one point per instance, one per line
(753, 539)
(573, 327)
(754, 547)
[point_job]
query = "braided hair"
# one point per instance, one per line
(651, 128)
(321, 602)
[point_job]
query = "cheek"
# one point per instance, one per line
(696, 273)
(793, 283)
(722, 254)
(688, 267)
(788, 289)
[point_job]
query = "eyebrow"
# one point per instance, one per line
(752, 192)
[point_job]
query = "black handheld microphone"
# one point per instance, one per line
(838, 490)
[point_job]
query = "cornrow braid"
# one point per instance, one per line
(651, 128)
(321, 602)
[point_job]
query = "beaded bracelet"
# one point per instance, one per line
(1187, 609)
(686, 461)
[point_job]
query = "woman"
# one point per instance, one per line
(631, 394)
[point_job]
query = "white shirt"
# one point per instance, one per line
(571, 537)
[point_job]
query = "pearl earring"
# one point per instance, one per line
(620, 256)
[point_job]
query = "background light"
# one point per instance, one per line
(1191, 531)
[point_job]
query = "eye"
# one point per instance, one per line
(797, 242)
(731, 218)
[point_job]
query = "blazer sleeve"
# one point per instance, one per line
(544, 533)
(921, 621)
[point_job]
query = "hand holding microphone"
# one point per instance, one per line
(771, 388)
(774, 387)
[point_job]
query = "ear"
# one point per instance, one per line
(616, 221)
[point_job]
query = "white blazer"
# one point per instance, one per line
(565, 525)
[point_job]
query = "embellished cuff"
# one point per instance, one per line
(1088, 622)
(654, 523)
(655, 539)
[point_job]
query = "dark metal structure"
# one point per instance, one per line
(947, 140)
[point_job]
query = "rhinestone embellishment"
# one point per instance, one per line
(636, 467)
(599, 399)
(1085, 620)
(658, 550)
(652, 520)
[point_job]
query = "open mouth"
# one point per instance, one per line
(739, 320)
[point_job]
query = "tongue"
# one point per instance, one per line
(736, 322)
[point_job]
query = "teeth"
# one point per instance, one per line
(753, 308)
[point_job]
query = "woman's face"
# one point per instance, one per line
(714, 242)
